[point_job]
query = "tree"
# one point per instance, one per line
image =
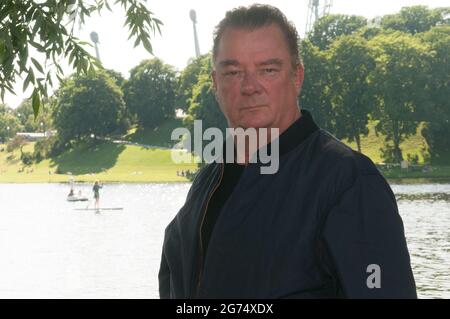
(9, 124)
(400, 80)
(86, 105)
(47, 26)
(203, 106)
(188, 78)
(437, 129)
(116, 76)
(416, 19)
(331, 26)
(150, 92)
(17, 142)
(315, 94)
(352, 62)
(23, 112)
(30, 123)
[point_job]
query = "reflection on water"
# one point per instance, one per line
(425, 210)
(50, 250)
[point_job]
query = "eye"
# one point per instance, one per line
(270, 70)
(232, 73)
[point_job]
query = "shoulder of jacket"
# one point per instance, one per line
(204, 175)
(343, 156)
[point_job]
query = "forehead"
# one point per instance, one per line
(252, 45)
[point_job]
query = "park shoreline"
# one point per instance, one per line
(391, 180)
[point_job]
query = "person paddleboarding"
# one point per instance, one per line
(96, 189)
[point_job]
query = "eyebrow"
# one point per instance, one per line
(232, 62)
(275, 61)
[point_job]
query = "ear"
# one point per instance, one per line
(299, 77)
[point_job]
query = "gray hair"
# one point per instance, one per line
(257, 16)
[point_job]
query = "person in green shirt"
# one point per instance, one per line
(96, 189)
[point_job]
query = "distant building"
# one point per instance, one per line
(31, 136)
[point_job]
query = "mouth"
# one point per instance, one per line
(252, 107)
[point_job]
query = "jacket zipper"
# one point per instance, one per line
(200, 270)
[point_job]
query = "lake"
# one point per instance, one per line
(50, 250)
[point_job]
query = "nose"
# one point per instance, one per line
(250, 84)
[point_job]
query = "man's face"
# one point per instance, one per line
(255, 83)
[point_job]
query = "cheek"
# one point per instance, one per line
(223, 97)
(229, 96)
(274, 90)
(282, 90)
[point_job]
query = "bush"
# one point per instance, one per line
(387, 154)
(49, 147)
(413, 159)
(38, 157)
(15, 143)
(27, 158)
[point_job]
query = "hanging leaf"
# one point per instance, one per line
(37, 65)
(36, 102)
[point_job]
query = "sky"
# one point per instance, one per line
(175, 45)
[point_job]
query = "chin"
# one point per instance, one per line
(256, 122)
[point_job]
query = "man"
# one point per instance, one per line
(325, 225)
(96, 190)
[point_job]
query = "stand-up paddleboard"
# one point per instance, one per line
(100, 209)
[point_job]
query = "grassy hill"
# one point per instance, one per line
(107, 161)
(111, 162)
(371, 145)
(158, 136)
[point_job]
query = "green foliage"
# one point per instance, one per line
(316, 93)
(352, 63)
(416, 19)
(388, 153)
(9, 124)
(26, 158)
(88, 105)
(150, 92)
(47, 26)
(188, 78)
(46, 148)
(15, 143)
(30, 123)
(203, 104)
(413, 159)
(437, 130)
(116, 76)
(399, 79)
(330, 27)
(437, 136)
(395, 78)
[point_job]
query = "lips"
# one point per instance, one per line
(252, 107)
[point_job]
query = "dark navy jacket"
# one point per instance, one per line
(314, 229)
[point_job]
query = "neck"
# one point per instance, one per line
(243, 157)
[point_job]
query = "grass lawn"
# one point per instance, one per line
(371, 145)
(108, 162)
(158, 136)
(112, 162)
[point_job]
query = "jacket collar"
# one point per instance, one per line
(293, 136)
